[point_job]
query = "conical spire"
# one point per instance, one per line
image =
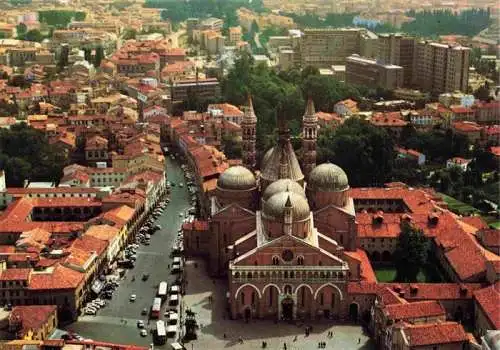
(310, 112)
(249, 112)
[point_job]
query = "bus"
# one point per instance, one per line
(161, 333)
(156, 308)
(162, 290)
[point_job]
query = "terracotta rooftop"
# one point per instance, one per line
(102, 232)
(489, 300)
(435, 333)
(32, 317)
(367, 273)
(466, 126)
(418, 291)
(96, 143)
(413, 310)
(58, 277)
(15, 274)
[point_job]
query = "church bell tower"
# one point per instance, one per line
(249, 128)
(309, 137)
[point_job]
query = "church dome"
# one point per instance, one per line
(236, 178)
(275, 207)
(328, 177)
(282, 185)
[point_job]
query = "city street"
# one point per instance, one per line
(117, 321)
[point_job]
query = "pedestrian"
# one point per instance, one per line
(224, 335)
(359, 340)
(240, 339)
(295, 339)
(284, 346)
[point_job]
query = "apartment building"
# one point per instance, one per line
(371, 73)
(203, 88)
(323, 48)
(440, 68)
(234, 35)
(399, 50)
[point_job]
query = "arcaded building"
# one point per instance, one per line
(284, 236)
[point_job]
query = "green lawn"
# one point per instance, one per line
(428, 273)
(457, 206)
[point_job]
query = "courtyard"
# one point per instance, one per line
(206, 297)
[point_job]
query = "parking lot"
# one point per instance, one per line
(117, 321)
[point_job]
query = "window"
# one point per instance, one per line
(333, 301)
(321, 299)
(253, 298)
(276, 260)
(243, 298)
(271, 291)
(288, 290)
(320, 263)
(303, 298)
(300, 260)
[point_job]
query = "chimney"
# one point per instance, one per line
(378, 218)
(433, 219)
(463, 290)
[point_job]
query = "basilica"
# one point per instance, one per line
(284, 235)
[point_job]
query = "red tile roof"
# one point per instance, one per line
(15, 275)
(58, 277)
(32, 317)
(475, 221)
(466, 126)
(414, 310)
(490, 237)
(418, 291)
(89, 243)
(435, 333)
(495, 151)
(196, 225)
(367, 273)
(489, 300)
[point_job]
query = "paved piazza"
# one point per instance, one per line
(212, 318)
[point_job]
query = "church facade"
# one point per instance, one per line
(284, 236)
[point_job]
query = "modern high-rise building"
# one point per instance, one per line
(397, 49)
(440, 68)
(323, 48)
(373, 74)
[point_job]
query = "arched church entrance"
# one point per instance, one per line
(353, 312)
(287, 309)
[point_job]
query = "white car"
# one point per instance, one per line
(144, 333)
(89, 311)
(133, 297)
(140, 324)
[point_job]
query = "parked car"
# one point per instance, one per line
(140, 324)
(133, 297)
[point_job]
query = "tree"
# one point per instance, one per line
(99, 55)
(129, 33)
(34, 35)
(365, 152)
(231, 147)
(21, 29)
(25, 153)
(411, 252)
(482, 93)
